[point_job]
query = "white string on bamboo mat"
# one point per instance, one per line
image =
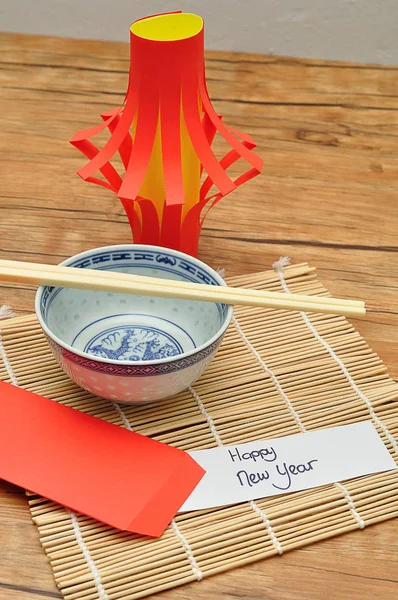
(91, 564)
(206, 415)
(262, 514)
(270, 373)
(122, 415)
(194, 565)
(279, 265)
(253, 505)
(192, 560)
(294, 413)
(102, 595)
(7, 363)
(351, 504)
(6, 312)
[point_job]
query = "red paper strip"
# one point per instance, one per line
(150, 230)
(144, 138)
(171, 227)
(198, 137)
(127, 144)
(113, 475)
(170, 94)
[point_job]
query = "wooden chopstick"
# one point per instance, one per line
(106, 281)
(142, 279)
(114, 275)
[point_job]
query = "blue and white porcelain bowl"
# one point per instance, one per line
(130, 348)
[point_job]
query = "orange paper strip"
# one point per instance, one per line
(113, 475)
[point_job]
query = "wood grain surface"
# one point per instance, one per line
(328, 133)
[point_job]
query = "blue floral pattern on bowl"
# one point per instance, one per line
(133, 343)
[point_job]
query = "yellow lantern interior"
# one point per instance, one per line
(168, 28)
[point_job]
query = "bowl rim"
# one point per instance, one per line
(119, 247)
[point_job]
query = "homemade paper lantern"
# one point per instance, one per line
(163, 134)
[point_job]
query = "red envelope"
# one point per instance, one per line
(111, 474)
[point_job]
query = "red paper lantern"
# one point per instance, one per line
(166, 123)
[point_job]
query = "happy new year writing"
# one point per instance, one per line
(280, 475)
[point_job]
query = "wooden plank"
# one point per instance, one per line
(327, 195)
(24, 569)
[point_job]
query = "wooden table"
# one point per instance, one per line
(328, 195)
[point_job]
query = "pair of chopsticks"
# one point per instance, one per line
(123, 283)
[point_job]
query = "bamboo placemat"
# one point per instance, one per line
(277, 373)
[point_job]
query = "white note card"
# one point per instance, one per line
(287, 464)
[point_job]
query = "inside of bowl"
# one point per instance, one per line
(127, 327)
